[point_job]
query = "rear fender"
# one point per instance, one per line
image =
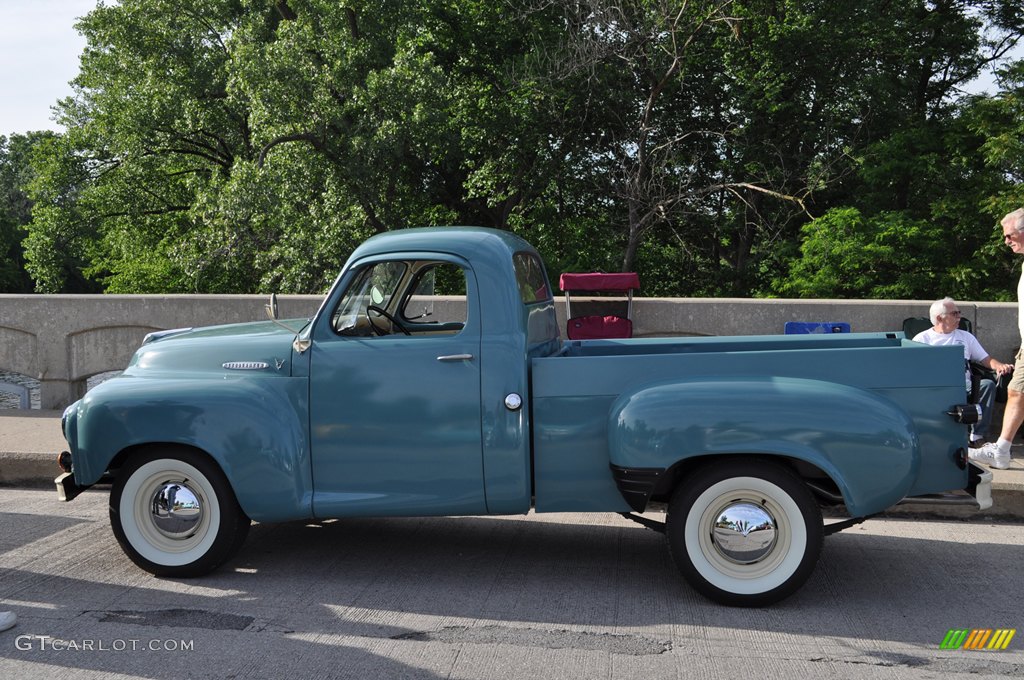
(864, 442)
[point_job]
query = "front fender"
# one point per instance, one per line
(866, 443)
(254, 428)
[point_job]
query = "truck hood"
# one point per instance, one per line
(236, 349)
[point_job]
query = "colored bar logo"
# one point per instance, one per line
(978, 638)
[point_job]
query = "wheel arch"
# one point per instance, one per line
(822, 485)
(123, 457)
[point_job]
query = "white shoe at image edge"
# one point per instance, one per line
(989, 455)
(7, 620)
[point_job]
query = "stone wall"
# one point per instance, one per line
(62, 340)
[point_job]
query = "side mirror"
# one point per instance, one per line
(300, 344)
(271, 307)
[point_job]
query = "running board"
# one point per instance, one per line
(652, 524)
(836, 527)
(952, 498)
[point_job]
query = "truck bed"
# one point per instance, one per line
(575, 391)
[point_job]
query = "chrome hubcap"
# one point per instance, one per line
(744, 532)
(176, 510)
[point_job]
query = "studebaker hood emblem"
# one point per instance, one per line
(246, 365)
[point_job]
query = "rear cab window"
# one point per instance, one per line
(531, 279)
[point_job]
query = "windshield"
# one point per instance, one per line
(374, 286)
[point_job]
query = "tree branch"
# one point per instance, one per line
(732, 187)
(299, 137)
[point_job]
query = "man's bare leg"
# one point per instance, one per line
(1013, 415)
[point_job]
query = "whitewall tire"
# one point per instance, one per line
(174, 513)
(744, 532)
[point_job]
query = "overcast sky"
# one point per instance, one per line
(39, 51)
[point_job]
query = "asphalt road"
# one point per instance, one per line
(542, 596)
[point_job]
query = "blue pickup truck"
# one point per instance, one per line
(433, 381)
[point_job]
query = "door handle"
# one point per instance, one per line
(455, 357)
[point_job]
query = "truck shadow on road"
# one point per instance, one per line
(558, 572)
(323, 591)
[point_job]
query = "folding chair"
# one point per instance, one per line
(596, 326)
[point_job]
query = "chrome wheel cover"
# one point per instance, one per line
(177, 510)
(744, 533)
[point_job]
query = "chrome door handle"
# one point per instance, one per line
(456, 357)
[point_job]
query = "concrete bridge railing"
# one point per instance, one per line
(62, 340)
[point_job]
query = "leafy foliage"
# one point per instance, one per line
(222, 146)
(15, 208)
(845, 254)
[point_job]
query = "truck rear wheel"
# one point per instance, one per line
(174, 513)
(744, 532)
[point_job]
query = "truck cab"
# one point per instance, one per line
(418, 375)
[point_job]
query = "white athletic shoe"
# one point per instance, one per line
(7, 620)
(990, 455)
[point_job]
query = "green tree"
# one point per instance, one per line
(915, 155)
(15, 211)
(861, 104)
(16, 174)
(222, 146)
(233, 147)
(717, 130)
(151, 134)
(847, 255)
(57, 248)
(1000, 120)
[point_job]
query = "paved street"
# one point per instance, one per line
(549, 596)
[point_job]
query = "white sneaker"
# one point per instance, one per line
(990, 455)
(7, 620)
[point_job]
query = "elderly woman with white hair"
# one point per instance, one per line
(946, 330)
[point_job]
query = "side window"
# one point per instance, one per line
(437, 299)
(374, 287)
(410, 298)
(533, 282)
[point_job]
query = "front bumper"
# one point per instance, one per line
(67, 488)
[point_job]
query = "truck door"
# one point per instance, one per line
(395, 392)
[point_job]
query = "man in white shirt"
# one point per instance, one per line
(997, 454)
(946, 330)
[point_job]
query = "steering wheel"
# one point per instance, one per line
(393, 320)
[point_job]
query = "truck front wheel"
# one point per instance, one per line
(744, 532)
(174, 513)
